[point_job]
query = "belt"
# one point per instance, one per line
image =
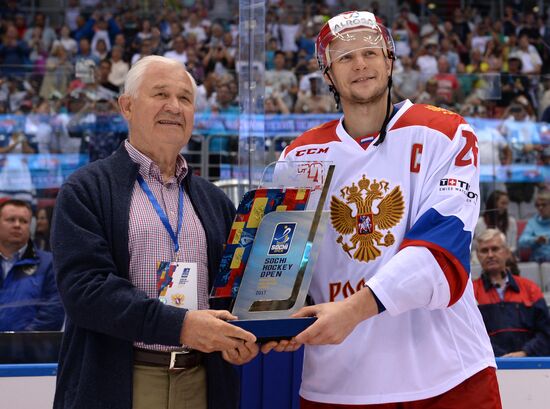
(170, 360)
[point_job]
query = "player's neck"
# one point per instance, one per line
(364, 119)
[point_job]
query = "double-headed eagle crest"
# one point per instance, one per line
(363, 225)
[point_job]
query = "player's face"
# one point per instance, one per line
(360, 74)
(492, 255)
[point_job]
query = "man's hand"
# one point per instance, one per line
(281, 346)
(336, 320)
(207, 331)
(245, 352)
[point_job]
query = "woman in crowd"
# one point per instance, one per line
(496, 216)
(42, 232)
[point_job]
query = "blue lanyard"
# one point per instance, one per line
(162, 215)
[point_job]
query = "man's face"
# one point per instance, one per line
(543, 207)
(15, 224)
(163, 109)
(492, 254)
(359, 74)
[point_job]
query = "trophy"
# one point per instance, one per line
(270, 254)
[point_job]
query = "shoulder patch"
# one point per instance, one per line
(432, 117)
(319, 135)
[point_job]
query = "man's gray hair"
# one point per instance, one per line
(490, 234)
(137, 72)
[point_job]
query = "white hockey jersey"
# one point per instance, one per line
(402, 216)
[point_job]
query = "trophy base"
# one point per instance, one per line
(275, 329)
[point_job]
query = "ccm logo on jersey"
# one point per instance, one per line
(457, 185)
(311, 151)
(345, 289)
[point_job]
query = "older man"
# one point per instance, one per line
(513, 307)
(127, 344)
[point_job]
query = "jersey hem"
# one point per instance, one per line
(397, 397)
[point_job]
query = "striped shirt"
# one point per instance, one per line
(148, 240)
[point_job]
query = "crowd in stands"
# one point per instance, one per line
(64, 80)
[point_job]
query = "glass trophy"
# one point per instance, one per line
(270, 254)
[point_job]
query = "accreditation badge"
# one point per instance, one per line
(177, 284)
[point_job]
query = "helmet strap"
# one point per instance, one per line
(382, 133)
(332, 89)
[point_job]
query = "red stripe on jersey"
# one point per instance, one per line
(324, 133)
(431, 117)
(456, 275)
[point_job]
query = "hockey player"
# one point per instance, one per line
(397, 322)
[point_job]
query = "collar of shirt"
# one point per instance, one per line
(149, 169)
(7, 263)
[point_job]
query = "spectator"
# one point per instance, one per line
(495, 216)
(306, 41)
(59, 72)
(105, 89)
(536, 235)
(72, 11)
(66, 41)
(313, 102)
(216, 36)
(513, 307)
(28, 297)
(206, 92)
(480, 37)
(510, 20)
(282, 80)
(447, 49)
(43, 224)
(178, 50)
(146, 31)
(38, 127)
(290, 30)
(101, 33)
(194, 26)
(145, 49)
(14, 53)
(85, 52)
(431, 31)
(429, 95)
(100, 49)
(45, 33)
(494, 56)
(84, 28)
(448, 88)
(274, 104)
(427, 62)
(402, 34)
(219, 60)
(119, 67)
(513, 83)
(194, 65)
(407, 82)
(460, 26)
(529, 56)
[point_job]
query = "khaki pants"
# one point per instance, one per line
(158, 388)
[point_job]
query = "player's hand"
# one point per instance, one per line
(336, 320)
(281, 346)
(245, 352)
(208, 331)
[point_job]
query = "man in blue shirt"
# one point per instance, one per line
(28, 294)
